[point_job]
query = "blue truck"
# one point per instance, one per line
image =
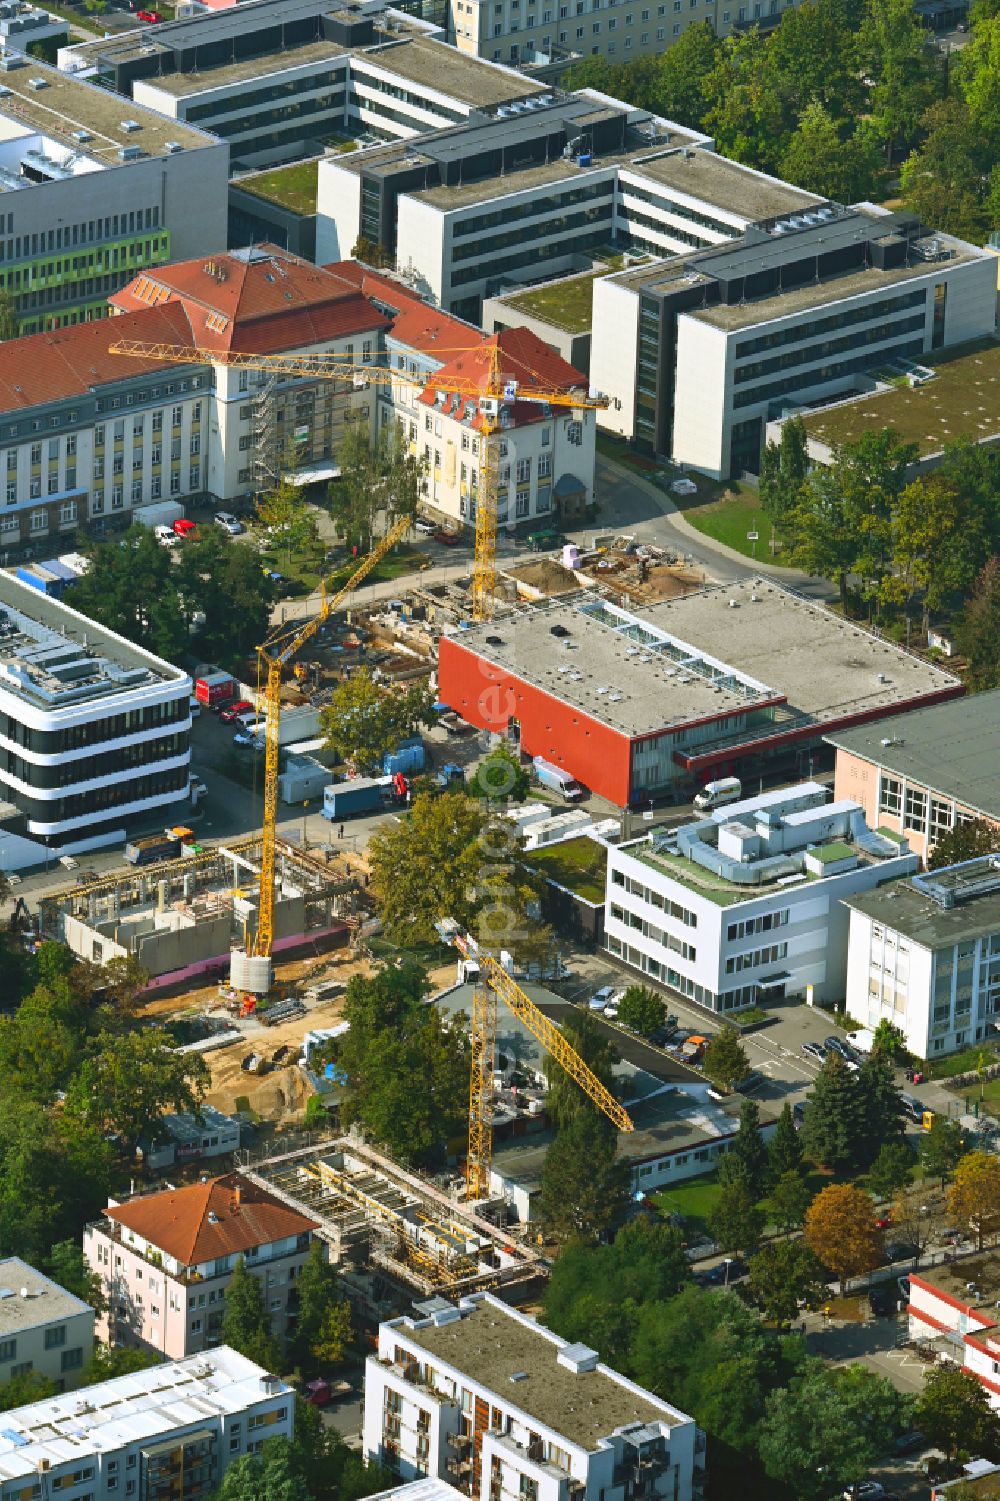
(360, 795)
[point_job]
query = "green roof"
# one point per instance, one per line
(699, 879)
(829, 854)
(963, 401)
(565, 304)
(292, 187)
(578, 864)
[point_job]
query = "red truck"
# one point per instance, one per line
(214, 690)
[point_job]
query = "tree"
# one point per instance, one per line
(597, 1293)
(246, 1323)
(824, 1433)
(746, 1160)
(128, 1081)
(825, 156)
(888, 1042)
(370, 253)
(584, 1190)
(833, 1132)
(840, 1228)
(500, 777)
(882, 1104)
(783, 1277)
(789, 1199)
(640, 1010)
(681, 73)
(25, 1387)
(736, 1223)
(565, 1098)
(941, 1149)
(979, 632)
(894, 54)
(940, 542)
(820, 532)
(68, 1266)
(289, 521)
(225, 583)
(726, 1060)
(365, 720)
(954, 1413)
(425, 867)
(323, 1317)
(783, 472)
(891, 1170)
(8, 317)
(129, 586)
(275, 1474)
(376, 478)
(124, 1360)
(946, 180)
(966, 841)
(784, 1150)
(974, 1195)
(394, 1040)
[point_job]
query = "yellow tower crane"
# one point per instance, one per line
(495, 983)
(499, 388)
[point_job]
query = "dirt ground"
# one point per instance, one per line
(281, 1095)
(546, 575)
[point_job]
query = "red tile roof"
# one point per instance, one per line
(223, 1217)
(514, 354)
(260, 301)
(414, 321)
(66, 362)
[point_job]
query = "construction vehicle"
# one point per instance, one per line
(493, 402)
(495, 983)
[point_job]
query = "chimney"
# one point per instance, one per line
(234, 1203)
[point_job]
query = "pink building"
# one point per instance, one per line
(955, 1304)
(165, 1260)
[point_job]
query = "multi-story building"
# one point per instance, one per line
(93, 191)
(484, 1394)
(953, 1306)
(620, 30)
(726, 680)
(43, 1329)
(698, 352)
(277, 79)
(23, 26)
(923, 772)
(168, 1431)
(924, 954)
(746, 904)
(94, 731)
(165, 1260)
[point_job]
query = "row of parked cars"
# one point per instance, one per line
(181, 529)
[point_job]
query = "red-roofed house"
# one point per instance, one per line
(267, 301)
(165, 1260)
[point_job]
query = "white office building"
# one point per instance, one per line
(485, 1395)
(94, 731)
(924, 954)
(170, 1430)
(44, 1330)
(747, 904)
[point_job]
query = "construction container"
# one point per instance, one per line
(408, 757)
(48, 578)
(158, 513)
(361, 795)
(252, 972)
(155, 847)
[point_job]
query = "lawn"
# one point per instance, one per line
(694, 1199)
(566, 304)
(728, 517)
(292, 187)
(577, 864)
(965, 1062)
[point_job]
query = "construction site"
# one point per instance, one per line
(394, 1233)
(180, 918)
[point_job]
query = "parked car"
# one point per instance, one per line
(903, 1288)
(182, 526)
(838, 1045)
(717, 1276)
(247, 741)
(867, 1490)
(233, 711)
(165, 535)
(815, 1050)
(601, 998)
(426, 528)
(911, 1443)
(901, 1250)
(684, 486)
(152, 16)
(913, 1108)
(544, 540)
(882, 1300)
(229, 523)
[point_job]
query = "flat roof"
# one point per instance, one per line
(827, 669)
(950, 748)
(67, 104)
(963, 401)
(55, 658)
(46, 1302)
(951, 1277)
(902, 906)
(734, 316)
(131, 1410)
(728, 185)
(493, 1344)
(417, 58)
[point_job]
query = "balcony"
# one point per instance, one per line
(456, 1465)
(459, 1440)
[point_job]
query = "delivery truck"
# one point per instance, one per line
(163, 846)
(557, 780)
(360, 795)
(215, 689)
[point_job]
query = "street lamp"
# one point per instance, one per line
(728, 1261)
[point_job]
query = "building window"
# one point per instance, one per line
(67, 511)
(39, 523)
(55, 1337)
(915, 810)
(8, 1349)
(890, 798)
(71, 1360)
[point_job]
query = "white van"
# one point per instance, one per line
(715, 794)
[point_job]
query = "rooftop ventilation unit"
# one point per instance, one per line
(82, 136)
(38, 83)
(4, 91)
(130, 126)
(129, 153)
(173, 147)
